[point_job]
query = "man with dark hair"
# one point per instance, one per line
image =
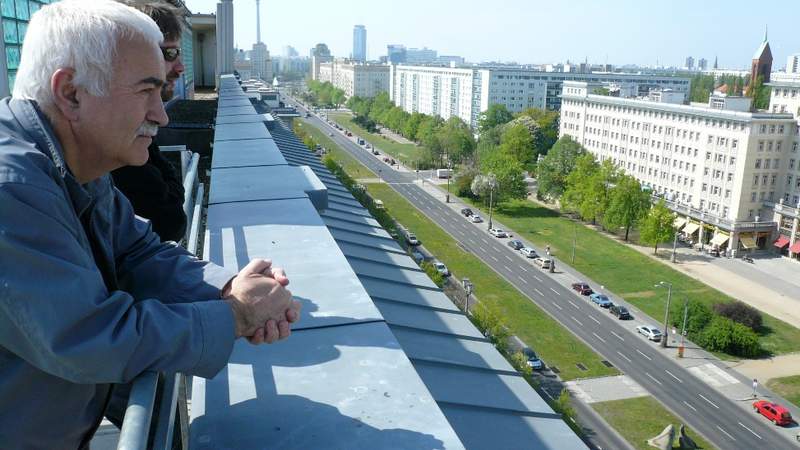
(155, 189)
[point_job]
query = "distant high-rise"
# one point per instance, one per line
(359, 43)
(793, 63)
(319, 54)
(689, 63)
(258, 21)
(702, 64)
(396, 53)
(716, 63)
(420, 55)
(289, 52)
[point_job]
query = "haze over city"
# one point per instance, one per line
(618, 32)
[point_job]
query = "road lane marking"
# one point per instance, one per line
(748, 429)
(524, 269)
(555, 291)
(495, 259)
(556, 305)
(673, 376)
(639, 352)
(653, 378)
(537, 279)
(574, 305)
(507, 268)
(726, 433)
(576, 320)
(509, 258)
(624, 357)
(481, 249)
(618, 336)
(690, 406)
(459, 232)
(709, 401)
(538, 292)
(598, 337)
(522, 279)
(595, 320)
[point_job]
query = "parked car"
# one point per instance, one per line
(515, 244)
(582, 288)
(475, 218)
(368, 146)
(544, 263)
(533, 360)
(776, 413)
(411, 238)
(601, 300)
(375, 152)
(651, 333)
(360, 141)
(497, 232)
(330, 134)
(528, 252)
(620, 311)
(349, 134)
(441, 268)
(418, 257)
(466, 212)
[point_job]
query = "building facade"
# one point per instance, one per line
(261, 62)
(359, 43)
(720, 170)
(467, 92)
(363, 80)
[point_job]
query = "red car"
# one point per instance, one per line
(582, 288)
(776, 413)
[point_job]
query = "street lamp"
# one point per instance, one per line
(449, 172)
(666, 312)
(492, 180)
(468, 289)
(574, 240)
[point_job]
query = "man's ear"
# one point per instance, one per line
(65, 93)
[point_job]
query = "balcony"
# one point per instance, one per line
(785, 210)
(712, 219)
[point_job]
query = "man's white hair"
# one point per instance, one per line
(81, 35)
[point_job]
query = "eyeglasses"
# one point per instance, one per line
(171, 53)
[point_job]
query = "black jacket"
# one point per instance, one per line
(156, 193)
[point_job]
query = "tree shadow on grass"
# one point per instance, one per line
(522, 209)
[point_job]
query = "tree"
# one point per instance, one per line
(627, 205)
(553, 170)
(658, 226)
(760, 93)
(496, 115)
(412, 125)
(337, 97)
(508, 172)
(516, 142)
(548, 127)
(464, 180)
(601, 91)
(587, 187)
(456, 139)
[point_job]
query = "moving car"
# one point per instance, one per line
(651, 333)
(582, 288)
(544, 263)
(533, 360)
(776, 413)
(497, 232)
(528, 252)
(620, 311)
(515, 244)
(475, 218)
(441, 268)
(466, 212)
(601, 300)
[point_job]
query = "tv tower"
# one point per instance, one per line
(258, 21)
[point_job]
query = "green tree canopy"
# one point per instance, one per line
(496, 115)
(588, 187)
(627, 205)
(517, 142)
(657, 226)
(456, 140)
(548, 127)
(509, 174)
(553, 170)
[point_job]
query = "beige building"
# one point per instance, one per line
(354, 78)
(723, 171)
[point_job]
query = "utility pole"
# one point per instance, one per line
(666, 312)
(574, 241)
(491, 198)
(674, 246)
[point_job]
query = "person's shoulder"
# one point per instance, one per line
(22, 163)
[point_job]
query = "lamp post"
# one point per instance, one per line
(666, 312)
(492, 182)
(468, 289)
(682, 345)
(674, 245)
(574, 240)
(449, 172)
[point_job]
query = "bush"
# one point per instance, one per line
(489, 319)
(432, 273)
(740, 312)
(520, 362)
(697, 317)
(725, 335)
(463, 183)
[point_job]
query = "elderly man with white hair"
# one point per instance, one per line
(89, 296)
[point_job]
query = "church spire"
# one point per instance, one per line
(766, 30)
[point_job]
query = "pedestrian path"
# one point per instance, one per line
(593, 390)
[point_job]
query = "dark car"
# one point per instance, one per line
(515, 244)
(466, 212)
(620, 311)
(582, 288)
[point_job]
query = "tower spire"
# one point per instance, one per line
(766, 30)
(258, 21)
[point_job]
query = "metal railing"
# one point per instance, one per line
(712, 219)
(157, 413)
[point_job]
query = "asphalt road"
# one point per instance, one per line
(716, 417)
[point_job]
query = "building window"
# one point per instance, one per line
(758, 163)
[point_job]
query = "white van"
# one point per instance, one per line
(544, 263)
(444, 173)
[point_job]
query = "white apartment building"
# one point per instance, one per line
(721, 170)
(467, 92)
(363, 80)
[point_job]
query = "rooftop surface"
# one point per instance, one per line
(381, 358)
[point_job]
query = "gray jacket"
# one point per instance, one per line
(89, 295)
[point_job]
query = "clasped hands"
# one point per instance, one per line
(262, 306)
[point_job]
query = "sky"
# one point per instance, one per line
(618, 32)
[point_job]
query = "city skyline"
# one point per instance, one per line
(524, 32)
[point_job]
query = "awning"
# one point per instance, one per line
(781, 242)
(679, 222)
(795, 248)
(719, 239)
(691, 228)
(748, 241)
